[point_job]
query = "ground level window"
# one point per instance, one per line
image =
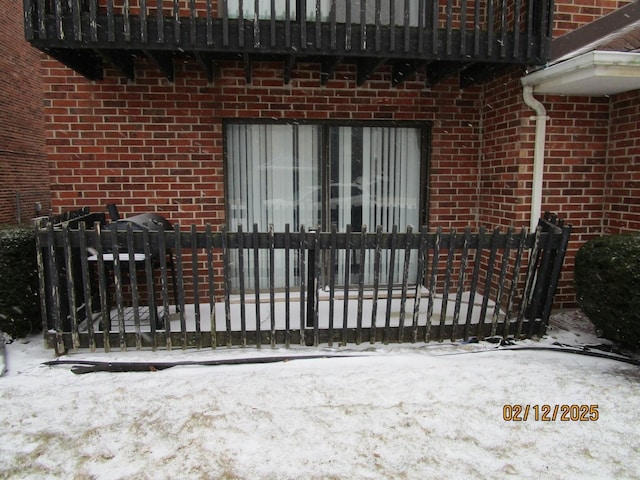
(325, 174)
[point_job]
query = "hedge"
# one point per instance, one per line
(19, 304)
(607, 279)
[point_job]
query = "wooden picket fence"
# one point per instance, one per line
(138, 288)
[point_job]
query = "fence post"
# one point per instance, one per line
(529, 280)
(551, 258)
(54, 292)
(311, 279)
(301, 269)
(555, 274)
(42, 287)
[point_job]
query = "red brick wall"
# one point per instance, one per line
(150, 145)
(23, 167)
(571, 14)
(574, 172)
(622, 214)
(576, 166)
(506, 155)
(575, 150)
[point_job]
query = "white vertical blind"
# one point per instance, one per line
(274, 177)
(378, 184)
(264, 10)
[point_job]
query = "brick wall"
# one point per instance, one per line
(150, 145)
(571, 14)
(506, 155)
(575, 171)
(622, 214)
(23, 167)
(591, 173)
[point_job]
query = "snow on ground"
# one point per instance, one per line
(402, 411)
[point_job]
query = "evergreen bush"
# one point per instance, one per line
(19, 303)
(607, 279)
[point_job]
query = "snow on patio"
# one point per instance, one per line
(367, 308)
(402, 411)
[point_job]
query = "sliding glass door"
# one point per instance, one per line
(323, 175)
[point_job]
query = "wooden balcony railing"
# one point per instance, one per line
(367, 32)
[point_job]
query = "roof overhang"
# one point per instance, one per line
(596, 73)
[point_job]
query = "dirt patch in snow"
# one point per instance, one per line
(574, 320)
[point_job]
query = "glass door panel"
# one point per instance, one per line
(273, 178)
(375, 180)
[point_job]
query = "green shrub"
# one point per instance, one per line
(607, 278)
(19, 304)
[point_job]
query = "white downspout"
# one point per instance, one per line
(538, 153)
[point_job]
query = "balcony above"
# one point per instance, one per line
(473, 38)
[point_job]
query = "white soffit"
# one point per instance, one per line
(596, 73)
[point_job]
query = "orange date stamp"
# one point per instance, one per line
(550, 413)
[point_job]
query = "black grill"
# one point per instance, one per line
(152, 223)
(143, 221)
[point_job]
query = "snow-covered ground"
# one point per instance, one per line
(402, 411)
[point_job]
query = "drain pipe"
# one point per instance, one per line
(538, 153)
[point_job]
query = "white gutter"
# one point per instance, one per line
(538, 153)
(594, 73)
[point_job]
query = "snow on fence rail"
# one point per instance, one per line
(102, 287)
